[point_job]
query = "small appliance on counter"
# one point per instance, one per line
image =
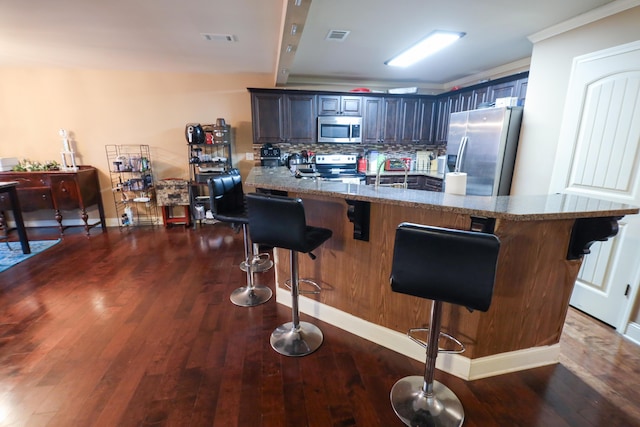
(270, 156)
(398, 164)
(194, 133)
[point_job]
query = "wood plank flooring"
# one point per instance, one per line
(135, 328)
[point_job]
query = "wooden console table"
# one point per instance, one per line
(58, 191)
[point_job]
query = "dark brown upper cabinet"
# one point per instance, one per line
(416, 120)
(291, 116)
(380, 120)
(280, 117)
(300, 118)
(339, 105)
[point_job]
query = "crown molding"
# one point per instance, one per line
(584, 19)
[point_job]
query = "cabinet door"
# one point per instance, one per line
(380, 119)
(372, 120)
(466, 100)
(409, 108)
(268, 117)
(425, 121)
(479, 96)
(328, 105)
(442, 125)
(351, 105)
(455, 103)
(390, 119)
(300, 118)
(521, 89)
(65, 192)
(432, 184)
(502, 90)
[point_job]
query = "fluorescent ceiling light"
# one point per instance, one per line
(429, 45)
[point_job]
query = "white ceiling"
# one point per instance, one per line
(166, 35)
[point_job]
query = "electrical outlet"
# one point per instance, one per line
(249, 156)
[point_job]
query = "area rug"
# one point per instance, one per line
(13, 256)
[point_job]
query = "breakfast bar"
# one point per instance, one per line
(543, 239)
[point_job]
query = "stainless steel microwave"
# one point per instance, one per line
(340, 129)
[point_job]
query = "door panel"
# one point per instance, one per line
(599, 156)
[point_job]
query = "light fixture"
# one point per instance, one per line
(289, 48)
(431, 44)
(294, 29)
(298, 2)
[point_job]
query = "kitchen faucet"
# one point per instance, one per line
(394, 185)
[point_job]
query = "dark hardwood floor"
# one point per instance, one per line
(135, 328)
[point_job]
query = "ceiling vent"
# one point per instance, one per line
(219, 37)
(337, 35)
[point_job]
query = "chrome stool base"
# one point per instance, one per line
(259, 263)
(300, 341)
(315, 288)
(415, 407)
(251, 296)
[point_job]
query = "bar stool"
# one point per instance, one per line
(280, 222)
(442, 265)
(228, 205)
(260, 261)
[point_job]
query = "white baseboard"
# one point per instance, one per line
(455, 364)
(633, 332)
(111, 222)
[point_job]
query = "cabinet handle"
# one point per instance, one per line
(44, 197)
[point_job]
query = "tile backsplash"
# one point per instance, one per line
(388, 150)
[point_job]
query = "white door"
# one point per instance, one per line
(599, 156)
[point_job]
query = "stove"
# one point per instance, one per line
(338, 166)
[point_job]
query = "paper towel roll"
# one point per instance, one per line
(455, 183)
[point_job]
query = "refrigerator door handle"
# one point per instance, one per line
(461, 150)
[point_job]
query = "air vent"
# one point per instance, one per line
(219, 37)
(337, 35)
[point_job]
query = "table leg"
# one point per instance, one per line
(17, 216)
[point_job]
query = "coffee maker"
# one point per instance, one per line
(194, 133)
(269, 156)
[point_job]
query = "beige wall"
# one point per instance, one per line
(550, 70)
(120, 107)
(551, 64)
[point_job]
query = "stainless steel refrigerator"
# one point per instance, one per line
(482, 143)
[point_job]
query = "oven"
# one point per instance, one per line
(339, 167)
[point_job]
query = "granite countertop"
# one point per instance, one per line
(518, 208)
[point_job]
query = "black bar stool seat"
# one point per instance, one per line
(442, 265)
(228, 205)
(280, 222)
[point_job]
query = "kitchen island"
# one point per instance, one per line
(543, 239)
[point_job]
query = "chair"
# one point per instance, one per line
(442, 265)
(228, 205)
(280, 222)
